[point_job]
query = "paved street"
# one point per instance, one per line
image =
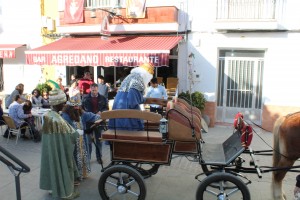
(175, 182)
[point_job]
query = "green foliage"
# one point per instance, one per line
(43, 87)
(198, 99)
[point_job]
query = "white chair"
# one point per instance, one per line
(13, 129)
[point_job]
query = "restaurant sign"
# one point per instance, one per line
(97, 59)
(7, 53)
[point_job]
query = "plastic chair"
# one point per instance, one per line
(12, 128)
(159, 80)
(172, 83)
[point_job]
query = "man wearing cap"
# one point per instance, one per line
(58, 168)
(130, 96)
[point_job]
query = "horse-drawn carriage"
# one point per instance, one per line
(136, 155)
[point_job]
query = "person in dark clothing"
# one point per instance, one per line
(95, 103)
(102, 87)
(27, 106)
(2, 122)
(297, 188)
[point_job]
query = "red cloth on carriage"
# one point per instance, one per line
(245, 129)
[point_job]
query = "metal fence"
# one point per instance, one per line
(249, 9)
(101, 3)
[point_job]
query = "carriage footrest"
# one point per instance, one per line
(222, 154)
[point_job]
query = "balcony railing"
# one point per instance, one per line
(91, 4)
(249, 9)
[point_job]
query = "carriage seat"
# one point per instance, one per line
(114, 134)
(182, 122)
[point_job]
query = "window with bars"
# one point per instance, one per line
(249, 9)
(102, 3)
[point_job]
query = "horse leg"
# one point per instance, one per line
(278, 176)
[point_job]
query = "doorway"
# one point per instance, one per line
(240, 77)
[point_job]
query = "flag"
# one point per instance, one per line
(135, 8)
(73, 11)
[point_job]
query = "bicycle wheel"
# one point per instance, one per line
(121, 182)
(222, 186)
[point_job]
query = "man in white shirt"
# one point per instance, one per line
(156, 91)
(16, 112)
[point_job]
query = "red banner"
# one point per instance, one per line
(73, 11)
(8, 50)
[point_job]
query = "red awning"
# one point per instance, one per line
(8, 50)
(116, 51)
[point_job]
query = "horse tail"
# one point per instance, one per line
(276, 148)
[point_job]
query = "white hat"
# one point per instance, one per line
(57, 97)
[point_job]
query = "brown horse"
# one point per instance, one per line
(286, 134)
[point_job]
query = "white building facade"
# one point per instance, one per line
(242, 54)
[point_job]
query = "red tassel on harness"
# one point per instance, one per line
(246, 137)
(246, 130)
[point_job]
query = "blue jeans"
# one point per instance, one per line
(98, 144)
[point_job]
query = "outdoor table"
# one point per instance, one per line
(38, 114)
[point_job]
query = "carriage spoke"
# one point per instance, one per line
(130, 183)
(113, 194)
(133, 193)
(111, 183)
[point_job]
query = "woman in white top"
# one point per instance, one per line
(74, 90)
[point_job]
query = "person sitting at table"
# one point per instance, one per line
(36, 98)
(19, 89)
(156, 91)
(27, 106)
(45, 100)
(16, 112)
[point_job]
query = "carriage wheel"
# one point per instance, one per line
(121, 182)
(222, 186)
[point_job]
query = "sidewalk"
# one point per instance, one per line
(175, 182)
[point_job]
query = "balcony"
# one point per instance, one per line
(92, 4)
(249, 15)
(157, 20)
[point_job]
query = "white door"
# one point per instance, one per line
(240, 85)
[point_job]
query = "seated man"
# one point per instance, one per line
(16, 112)
(156, 91)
